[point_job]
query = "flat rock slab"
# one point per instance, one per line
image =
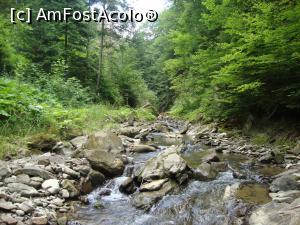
(41, 220)
(153, 186)
(35, 171)
(277, 214)
(143, 148)
(23, 189)
(285, 196)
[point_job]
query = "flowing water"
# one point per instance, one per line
(198, 202)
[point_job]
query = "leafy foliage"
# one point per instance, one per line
(231, 58)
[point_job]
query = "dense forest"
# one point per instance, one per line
(222, 60)
(191, 119)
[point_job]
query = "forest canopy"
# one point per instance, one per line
(209, 59)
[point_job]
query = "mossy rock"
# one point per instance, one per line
(42, 142)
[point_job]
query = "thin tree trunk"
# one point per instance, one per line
(66, 42)
(101, 56)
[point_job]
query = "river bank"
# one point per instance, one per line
(162, 172)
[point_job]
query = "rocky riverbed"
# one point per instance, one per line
(165, 172)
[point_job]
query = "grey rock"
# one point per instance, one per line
(211, 157)
(44, 162)
(145, 200)
(8, 219)
(12, 179)
(129, 131)
(27, 206)
(83, 170)
(105, 141)
(51, 185)
(127, 186)
(23, 189)
(4, 170)
(70, 187)
(70, 172)
(58, 202)
(107, 163)
(6, 206)
(296, 150)
(285, 183)
(166, 164)
(64, 193)
(62, 220)
(142, 148)
(205, 172)
(266, 158)
(23, 178)
(35, 171)
(79, 142)
(96, 178)
(275, 213)
(153, 185)
(285, 196)
(39, 220)
(20, 212)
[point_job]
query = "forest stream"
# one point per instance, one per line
(161, 172)
(226, 193)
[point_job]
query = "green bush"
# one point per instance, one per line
(68, 91)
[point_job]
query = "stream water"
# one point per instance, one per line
(198, 202)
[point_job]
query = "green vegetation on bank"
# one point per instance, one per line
(60, 123)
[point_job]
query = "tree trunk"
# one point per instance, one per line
(101, 56)
(66, 42)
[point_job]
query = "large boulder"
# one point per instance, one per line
(103, 151)
(285, 196)
(107, 163)
(285, 183)
(168, 164)
(144, 200)
(23, 189)
(105, 141)
(275, 213)
(205, 172)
